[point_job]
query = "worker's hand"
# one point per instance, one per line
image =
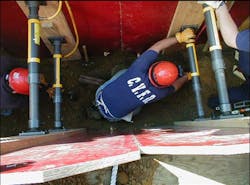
(213, 4)
(188, 74)
(51, 92)
(186, 36)
(43, 80)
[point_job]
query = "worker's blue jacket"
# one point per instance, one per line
(132, 89)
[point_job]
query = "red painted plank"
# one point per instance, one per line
(193, 141)
(87, 152)
(78, 154)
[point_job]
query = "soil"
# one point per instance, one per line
(77, 98)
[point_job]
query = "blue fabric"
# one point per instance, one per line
(131, 89)
(243, 44)
(98, 98)
(243, 40)
(6, 112)
(244, 63)
(235, 94)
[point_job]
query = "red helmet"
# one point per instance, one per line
(18, 80)
(162, 74)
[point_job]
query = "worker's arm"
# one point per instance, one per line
(181, 81)
(228, 28)
(186, 36)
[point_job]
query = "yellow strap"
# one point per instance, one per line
(214, 47)
(57, 85)
(57, 56)
(33, 59)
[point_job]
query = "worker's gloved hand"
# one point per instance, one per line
(188, 74)
(213, 4)
(43, 80)
(186, 36)
(51, 92)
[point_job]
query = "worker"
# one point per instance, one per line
(239, 40)
(15, 86)
(145, 81)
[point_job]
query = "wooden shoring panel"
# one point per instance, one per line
(57, 26)
(194, 141)
(67, 157)
(11, 144)
(186, 13)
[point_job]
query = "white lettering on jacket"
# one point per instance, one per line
(139, 90)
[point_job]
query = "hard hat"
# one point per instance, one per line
(162, 73)
(18, 80)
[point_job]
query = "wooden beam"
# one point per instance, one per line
(58, 26)
(67, 157)
(11, 144)
(186, 13)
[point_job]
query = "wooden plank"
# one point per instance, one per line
(58, 26)
(90, 151)
(66, 157)
(194, 141)
(11, 144)
(241, 122)
(186, 13)
(245, 24)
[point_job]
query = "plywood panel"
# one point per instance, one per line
(11, 144)
(186, 13)
(194, 141)
(60, 28)
(65, 157)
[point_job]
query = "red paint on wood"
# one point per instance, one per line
(87, 152)
(70, 151)
(187, 137)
